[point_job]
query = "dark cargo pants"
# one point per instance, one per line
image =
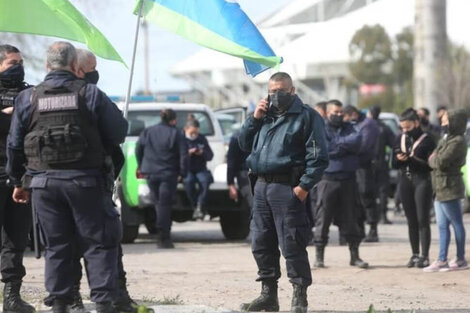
(15, 222)
(163, 192)
(338, 201)
(367, 191)
(280, 219)
(74, 210)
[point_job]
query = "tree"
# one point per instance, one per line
(403, 69)
(371, 52)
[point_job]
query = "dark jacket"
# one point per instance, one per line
(236, 159)
(418, 163)
(198, 163)
(111, 125)
(448, 158)
(295, 139)
(369, 134)
(161, 151)
(343, 147)
(385, 139)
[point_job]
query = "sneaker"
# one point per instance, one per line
(436, 266)
(413, 261)
(423, 262)
(457, 265)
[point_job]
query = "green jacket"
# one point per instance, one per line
(448, 159)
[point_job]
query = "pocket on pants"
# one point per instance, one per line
(112, 230)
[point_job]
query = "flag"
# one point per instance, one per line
(216, 24)
(55, 18)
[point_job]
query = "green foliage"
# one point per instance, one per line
(372, 310)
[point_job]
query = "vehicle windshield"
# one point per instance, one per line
(139, 120)
(392, 123)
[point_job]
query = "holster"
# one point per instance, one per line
(252, 177)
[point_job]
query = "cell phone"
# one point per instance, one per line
(269, 100)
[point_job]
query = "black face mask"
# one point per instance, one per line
(12, 76)
(336, 120)
(415, 133)
(424, 121)
(92, 77)
(281, 101)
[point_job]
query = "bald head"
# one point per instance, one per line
(86, 62)
(62, 56)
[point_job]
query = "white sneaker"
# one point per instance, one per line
(458, 265)
(436, 266)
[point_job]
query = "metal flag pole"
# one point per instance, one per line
(131, 74)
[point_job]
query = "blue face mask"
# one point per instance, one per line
(12, 76)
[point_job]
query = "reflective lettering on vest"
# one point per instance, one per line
(58, 103)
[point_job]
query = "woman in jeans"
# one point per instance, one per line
(411, 153)
(449, 187)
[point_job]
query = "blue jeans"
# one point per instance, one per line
(450, 212)
(203, 180)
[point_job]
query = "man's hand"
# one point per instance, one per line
(192, 151)
(8, 110)
(261, 109)
(20, 195)
(300, 193)
(199, 152)
(402, 157)
(233, 192)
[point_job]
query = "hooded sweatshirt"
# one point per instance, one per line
(448, 159)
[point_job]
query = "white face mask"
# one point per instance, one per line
(191, 137)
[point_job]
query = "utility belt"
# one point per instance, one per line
(410, 175)
(291, 179)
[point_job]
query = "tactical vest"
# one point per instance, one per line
(7, 99)
(62, 133)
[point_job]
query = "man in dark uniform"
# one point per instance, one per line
(288, 153)
(59, 130)
(236, 168)
(381, 163)
(15, 219)
(86, 69)
(365, 173)
(337, 191)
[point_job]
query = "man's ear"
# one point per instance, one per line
(292, 91)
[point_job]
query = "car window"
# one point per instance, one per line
(392, 123)
(139, 120)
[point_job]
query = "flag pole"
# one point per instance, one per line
(131, 74)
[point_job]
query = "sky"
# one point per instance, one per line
(118, 24)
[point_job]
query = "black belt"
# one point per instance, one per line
(285, 179)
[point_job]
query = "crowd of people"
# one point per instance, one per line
(300, 168)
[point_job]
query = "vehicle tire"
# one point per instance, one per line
(129, 233)
(235, 225)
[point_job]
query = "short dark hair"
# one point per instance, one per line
(334, 102)
(7, 49)
(409, 115)
(375, 111)
(192, 123)
(349, 109)
(441, 107)
(281, 76)
(168, 115)
(426, 111)
(321, 105)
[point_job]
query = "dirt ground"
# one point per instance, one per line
(205, 269)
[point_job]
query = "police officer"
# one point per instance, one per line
(59, 130)
(337, 191)
(365, 174)
(162, 157)
(15, 219)
(86, 69)
(381, 162)
(288, 154)
(236, 168)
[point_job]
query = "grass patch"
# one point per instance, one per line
(372, 310)
(171, 301)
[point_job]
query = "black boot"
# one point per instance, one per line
(267, 301)
(320, 256)
(59, 306)
(164, 241)
(198, 213)
(299, 302)
(124, 302)
(355, 259)
(105, 307)
(77, 305)
(12, 302)
(372, 236)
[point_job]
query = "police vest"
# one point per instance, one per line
(7, 99)
(62, 133)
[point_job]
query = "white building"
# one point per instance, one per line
(313, 38)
